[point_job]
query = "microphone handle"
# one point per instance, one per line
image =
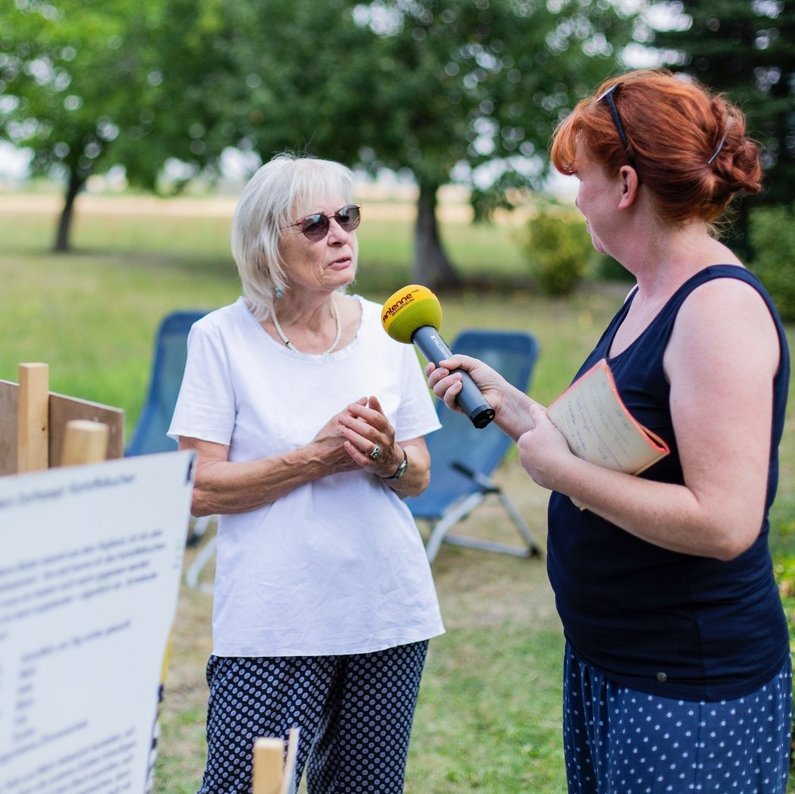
(469, 399)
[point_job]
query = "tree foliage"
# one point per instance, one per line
(744, 48)
(56, 66)
(773, 235)
(88, 84)
(481, 85)
(441, 89)
(558, 248)
(465, 90)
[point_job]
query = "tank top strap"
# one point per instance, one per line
(659, 329)
(710, 274)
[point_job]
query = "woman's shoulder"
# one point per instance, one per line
(727, 317)
(713, 286)
(373, 330)
(224, 316)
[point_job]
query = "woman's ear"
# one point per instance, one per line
(629, 186)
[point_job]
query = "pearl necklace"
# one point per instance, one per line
(289, 344)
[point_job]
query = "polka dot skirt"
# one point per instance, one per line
(619, 741)
(354, 713)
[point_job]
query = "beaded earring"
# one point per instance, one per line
(279, 291)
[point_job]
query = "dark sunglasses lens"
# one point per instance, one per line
(348, 217)
(315, 227)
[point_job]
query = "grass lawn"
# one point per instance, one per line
(489, 711)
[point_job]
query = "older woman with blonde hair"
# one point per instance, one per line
(677, 670)
(309, 424)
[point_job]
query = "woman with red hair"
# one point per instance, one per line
(677, 669)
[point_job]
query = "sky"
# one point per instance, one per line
(13, 163)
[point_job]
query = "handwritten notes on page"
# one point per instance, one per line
(598, 426)
(90, 565)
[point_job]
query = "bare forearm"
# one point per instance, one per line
(669, 515)
(228, 487)
(513, 416)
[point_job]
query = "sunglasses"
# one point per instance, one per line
(315, 226)
(609, 99)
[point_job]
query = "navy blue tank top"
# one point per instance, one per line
(655, 620)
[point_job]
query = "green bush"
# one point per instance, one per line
(773, 239)
(558, 248)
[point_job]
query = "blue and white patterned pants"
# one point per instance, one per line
(619, 741)
(354, 713)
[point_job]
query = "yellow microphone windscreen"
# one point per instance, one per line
(408, 309)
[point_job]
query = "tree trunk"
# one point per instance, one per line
(62, 235)
(431, 266)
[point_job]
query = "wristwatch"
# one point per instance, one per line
(401, 470)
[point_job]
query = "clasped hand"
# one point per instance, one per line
(360, 437)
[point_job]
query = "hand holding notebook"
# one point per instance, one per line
(598, 426)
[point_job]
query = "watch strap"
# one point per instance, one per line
(401, 469)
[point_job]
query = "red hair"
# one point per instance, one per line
(688, 145)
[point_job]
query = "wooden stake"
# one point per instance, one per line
(84, 442)
(288, 786)
(268, 766)
(33, 418)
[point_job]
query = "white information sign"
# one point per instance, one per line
(90, 565)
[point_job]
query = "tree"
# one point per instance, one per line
(297, 78)
(190, 48)
(88, 84)
(57, 63)
(744, 48)
(443, 89)
(432, 87)
(481, 84)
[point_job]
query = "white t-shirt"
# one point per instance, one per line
(336, 566)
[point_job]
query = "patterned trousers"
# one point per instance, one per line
(619, 741)
(354, 714)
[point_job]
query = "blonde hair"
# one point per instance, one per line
(275, 196)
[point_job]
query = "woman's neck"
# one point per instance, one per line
(671, 257)
(308, 329)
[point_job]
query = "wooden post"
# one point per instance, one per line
(84, 442)
(33, 418)
(268, 771)
(273, 773)
(289, 784)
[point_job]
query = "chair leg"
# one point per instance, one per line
(198, 527)
(440, 531)
(521, 526)
(435, 540)
(193, 574)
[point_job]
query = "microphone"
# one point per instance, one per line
(413, 314)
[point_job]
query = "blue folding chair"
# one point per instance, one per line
(464, 458)
(166, 377)
(168, 366)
